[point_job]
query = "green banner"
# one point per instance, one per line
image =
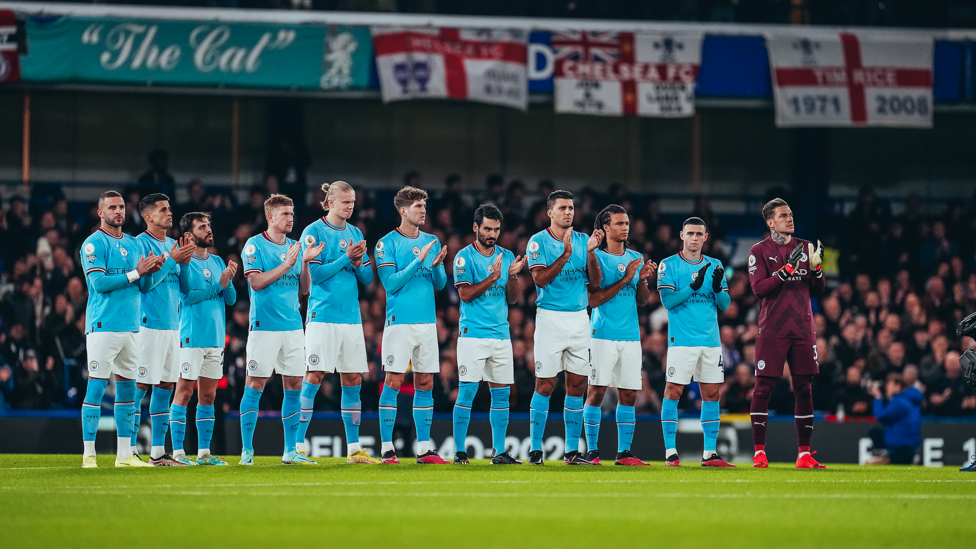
(197, 53)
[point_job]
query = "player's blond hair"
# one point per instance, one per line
(276, 201)
(407, 196)
(334, 188)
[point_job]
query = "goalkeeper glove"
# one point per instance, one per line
(717, 276)
(816, 256)
(786, 270)
(697, 281)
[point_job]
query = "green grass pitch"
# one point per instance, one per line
(49, 501)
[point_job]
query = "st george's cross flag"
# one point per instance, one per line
(484, 65)
(852, 79)
(623, 73)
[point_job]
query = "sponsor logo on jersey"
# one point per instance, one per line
(761, 365)
(93, 366)
(462, 369)
(620, 267)
(459, 262)
(533, 246)
(313, 360)
(249, 249)
(538, 366)
(207, 273)
(185, 367)
(389, 360)
(309, 240)
(342, 243)
(252, 365)
(776, 259)
(143, 372)
(89, 248)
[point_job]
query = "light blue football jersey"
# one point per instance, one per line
(616, 319)
(160, 305)
(413, 303)
(105, 255)
(275, 307)
(203, 315)
(335, 298)
(693, 322)
(566, 292)
(487, 316)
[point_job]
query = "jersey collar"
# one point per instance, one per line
(404, 235)
(549, 230)
(265, 235)
(700, 259)
(478, 249)
(195, 256)
(152, 236)
(110, 234)
(331, 226)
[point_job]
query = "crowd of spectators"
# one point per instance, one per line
(901, 285)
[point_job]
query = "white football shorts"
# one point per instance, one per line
(703, 364)
(485, 359)
(159, 353)
(335, 348)
(413, 345)
(562, 342)
(112, 352)
(276, 352)
(615, 364)
(197, 362)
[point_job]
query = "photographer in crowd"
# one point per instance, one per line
(900, 412)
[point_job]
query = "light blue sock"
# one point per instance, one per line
(177, 422)
(307, 402)
(462, 413)
(423, 413)
(352, 411)
(159, 415)
(669, 421)
(538, 414)
(249, 416)
(137, 415)
(498, 416)
(710, 423)
(625, 427)
(573, 419)
(125, 394)
(388, 411)
(91, 409)
(205, 426)
(591, 425)
(291, 409)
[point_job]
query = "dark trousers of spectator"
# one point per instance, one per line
(899, 455)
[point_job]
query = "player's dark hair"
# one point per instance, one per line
(407, 196)
(694, 221)
(101, 197)
(603, 219)
(186, 222)
(556, 195)
(150, 201)
(487, 210)
(771, 206)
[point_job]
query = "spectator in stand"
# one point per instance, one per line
(737, 395)
(6, 385)
(948, 393)
(34, 386)
(157, 178)
(899, 411)
(854, 398)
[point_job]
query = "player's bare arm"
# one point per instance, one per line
(597, 297)
(305, 279)
(261, 280)
(183, 250)
(514, 291)
(355, 253)
(593, 271)
(648, 271)
(228, 274)
(542, 276)
(471, 292)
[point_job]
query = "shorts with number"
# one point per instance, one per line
(615, 364)
(335, 348)
(159, 355)
(112, 352)
(276, 352)
(485, 359)
(773, 352)
(562, 342)
(197, 362)
(703, 364)
(413, 345)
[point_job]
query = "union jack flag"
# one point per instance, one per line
(584, 46)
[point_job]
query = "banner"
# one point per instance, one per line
(849, 79)
(483, 65)
(623, 73)
(10, 48)
(197, 53)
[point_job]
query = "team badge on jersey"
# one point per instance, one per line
(491, 269)
(761, 365)
(123, 251)
(620, 267)
(185, 367)
(462, 369)
(309, 240)
(342, 243)
(671, 371)
(250, 249)
(593, 374)
(538, 366)
(283, 256)
(89, 248)
(93, 366)
(143, 372)
(416, 251)
(694, 276)
(252, 365)
(313, 360)
(207, 273)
